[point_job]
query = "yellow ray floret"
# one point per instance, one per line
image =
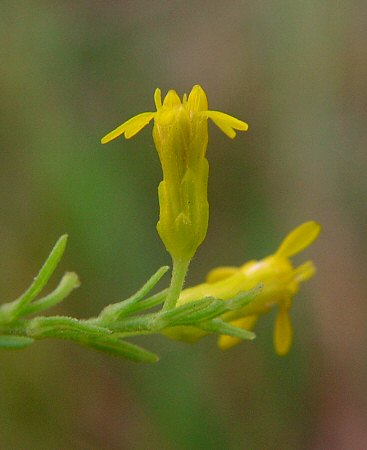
(196, 104)
(130, 127)
(280, 281)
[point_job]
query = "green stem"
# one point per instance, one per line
(179, 271)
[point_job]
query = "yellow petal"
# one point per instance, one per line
(304, 272)
(298, 239)
(220, 273)
(226, 123)
(130, 127)
(246, 323)
(197, 100)
(283, 332)
(171, 99)
(227, 130)
(141, 120)
(158, 98)
(226, 342)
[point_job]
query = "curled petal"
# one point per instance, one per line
(298, 239)
(130, 127)
(226, 123)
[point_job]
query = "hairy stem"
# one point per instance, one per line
(179, 272)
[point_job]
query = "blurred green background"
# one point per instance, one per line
(296, 72)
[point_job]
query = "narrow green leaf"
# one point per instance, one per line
(220, 327)
(243, 298)
(190, 313)
(236, 303)
(106, 344)
(15, 342)
(205, 309)
(150, 302)
(117, 310)
(44, 274)
(150, 284)
(68, 283)
(120, 348)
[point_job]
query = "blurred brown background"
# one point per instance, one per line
(296, 72)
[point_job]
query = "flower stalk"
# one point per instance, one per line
(179, 271)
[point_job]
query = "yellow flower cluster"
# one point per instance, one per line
(180, 135)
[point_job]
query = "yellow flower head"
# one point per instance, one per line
(280, 280)
(180, 135)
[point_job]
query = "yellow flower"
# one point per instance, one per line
(280, 280)
(180, 135)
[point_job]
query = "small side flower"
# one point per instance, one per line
(280, 282)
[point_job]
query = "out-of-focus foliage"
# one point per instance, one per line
(296, 71)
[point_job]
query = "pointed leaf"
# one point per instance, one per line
(68, 283)
(44, 274)
(247, 323)
(117, 310)
(220, 327)
(121, 348)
